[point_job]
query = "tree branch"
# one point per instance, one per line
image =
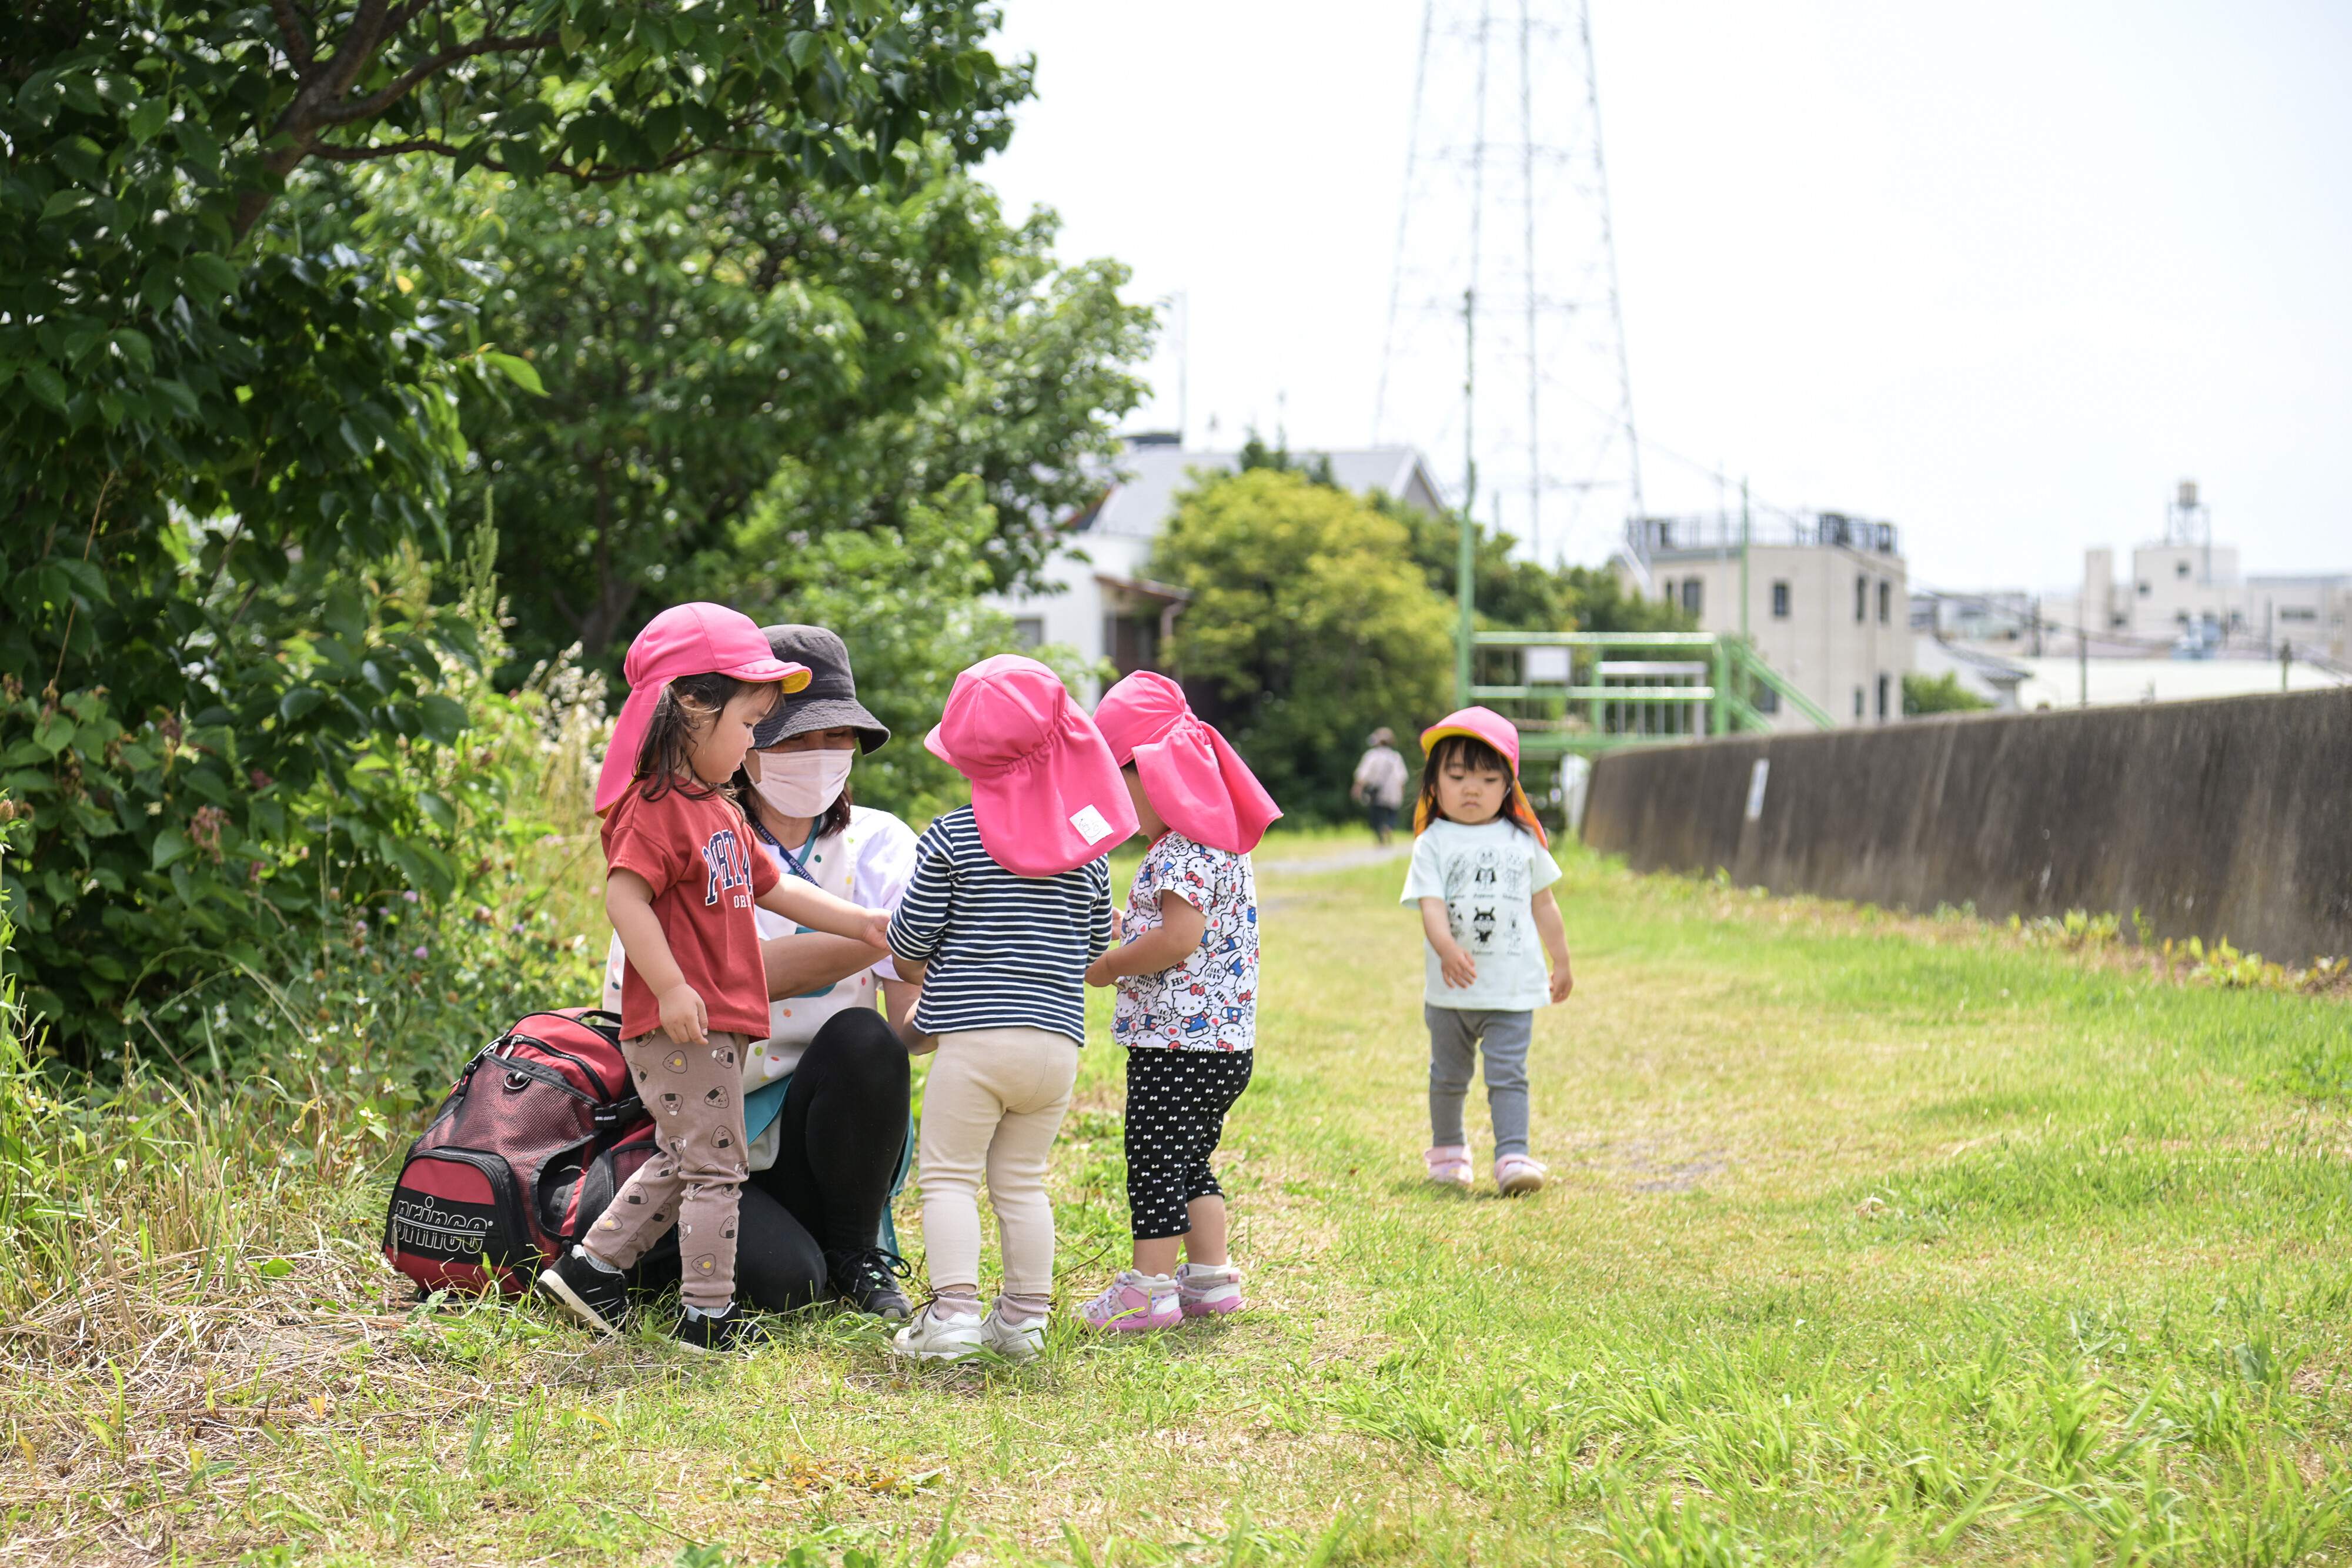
(375, 103)
(298, 40)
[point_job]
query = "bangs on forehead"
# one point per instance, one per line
(1472, 753)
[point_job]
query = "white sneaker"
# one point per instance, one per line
(1449, 1164)
(1014, 1341)
(1516, 1174)
(938, 1333)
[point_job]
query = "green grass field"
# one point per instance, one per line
(1870, 1241)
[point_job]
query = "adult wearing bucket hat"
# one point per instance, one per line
(826, 1096)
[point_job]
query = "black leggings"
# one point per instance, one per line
(842, 1130)
(1176, 1105)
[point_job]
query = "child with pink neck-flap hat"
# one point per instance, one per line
(1009, 904)
(1187, 1004)
(681, 883)
(1481, 876)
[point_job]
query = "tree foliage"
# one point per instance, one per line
(695, 341)
(1938, 693)
(1308, 626)
(221, 438)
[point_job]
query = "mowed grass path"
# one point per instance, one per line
(1868, 1241)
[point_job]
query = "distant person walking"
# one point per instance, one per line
(1380, 783)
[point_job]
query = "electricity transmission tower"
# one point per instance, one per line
(1504, 338)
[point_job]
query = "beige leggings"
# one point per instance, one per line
(993, 1103)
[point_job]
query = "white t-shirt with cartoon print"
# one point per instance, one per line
(1489, 876)
(1208, 1002)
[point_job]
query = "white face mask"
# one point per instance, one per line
(802, 783)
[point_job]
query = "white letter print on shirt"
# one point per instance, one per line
(1485, 894)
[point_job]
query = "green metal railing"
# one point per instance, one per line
(1652, 702)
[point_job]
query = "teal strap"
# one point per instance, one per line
(762, 1106)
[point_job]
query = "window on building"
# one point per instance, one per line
(2298, 613)
(2180, 617)
(2180, 568)
(1860, 605)
(2143, 591)
(1767, 700)
(1857, 702)
(1883, 683)
(1886, 603)
(1693, 594)
(1029, 631)
(1780, 601)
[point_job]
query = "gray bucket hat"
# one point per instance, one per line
(829, 701)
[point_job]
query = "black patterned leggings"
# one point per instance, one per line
(1176, 1105)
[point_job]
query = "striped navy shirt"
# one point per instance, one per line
(1003, 951)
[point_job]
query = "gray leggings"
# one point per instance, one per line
(1456, 1038)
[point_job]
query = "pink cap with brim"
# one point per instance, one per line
(1045, 791)
(1483, 723)
(1193, 779)
(696, 639)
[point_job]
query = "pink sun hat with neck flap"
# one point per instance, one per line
(697, 639)
(1045, 791)
(1193, 779)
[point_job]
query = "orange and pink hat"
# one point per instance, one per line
(1045, 794)
(697, 639)
(1481, 724)
(1193, 779)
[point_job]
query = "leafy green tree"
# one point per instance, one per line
(694, 342)
(213, 436)
(1938, 693)
(1308, 626)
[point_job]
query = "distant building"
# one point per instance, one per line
(1101, 600)
(1828, 606)
(2187, 594)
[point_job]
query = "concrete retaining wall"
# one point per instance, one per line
(2230, 818)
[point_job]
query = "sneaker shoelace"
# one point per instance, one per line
(874, 1268)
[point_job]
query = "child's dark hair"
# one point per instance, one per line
(1479, 758)
(665, 759)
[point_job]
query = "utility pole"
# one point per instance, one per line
(1465, 558)
(2083, 658)
(2286, 662)
(1744, 535)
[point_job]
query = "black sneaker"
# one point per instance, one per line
(716, 1333)
(597, 1297)
(865, 1279)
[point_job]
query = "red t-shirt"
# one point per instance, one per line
(697, 853)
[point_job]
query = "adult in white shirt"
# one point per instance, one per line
(1380, 783)
(825, 1095)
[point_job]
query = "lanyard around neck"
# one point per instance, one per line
(793, 862)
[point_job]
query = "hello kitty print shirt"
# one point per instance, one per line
(1489, 876)
(1208, 1002)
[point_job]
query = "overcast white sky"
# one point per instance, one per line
(2002, 273)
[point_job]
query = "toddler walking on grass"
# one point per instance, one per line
(680, 885)
(1482, 876)
(1187, 1004)
(1009, 904)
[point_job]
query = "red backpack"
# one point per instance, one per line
(540, 1130)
